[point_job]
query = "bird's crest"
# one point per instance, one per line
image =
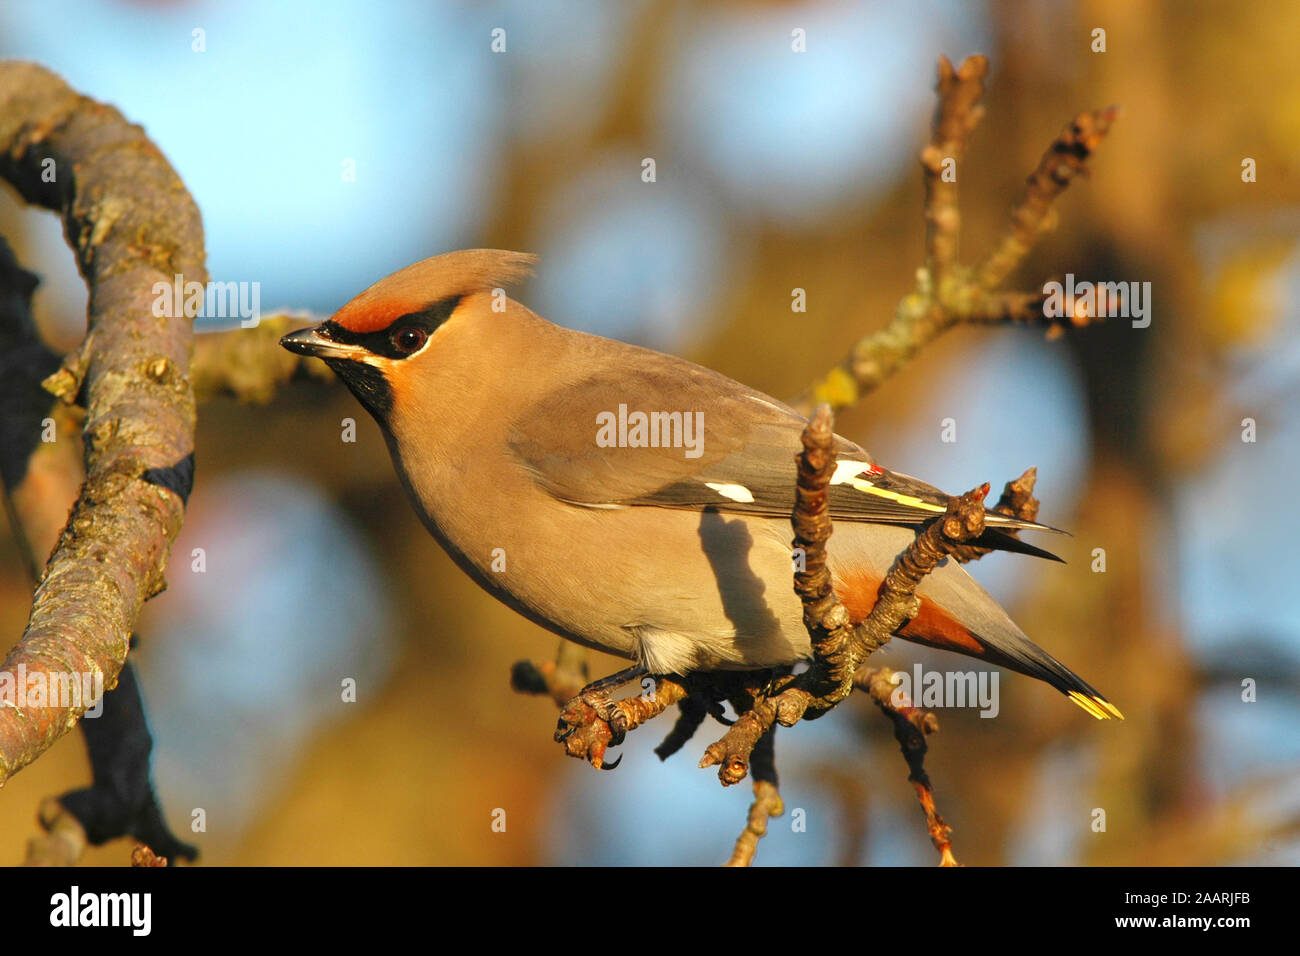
(432, 280)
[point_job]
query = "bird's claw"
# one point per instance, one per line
(588, 726)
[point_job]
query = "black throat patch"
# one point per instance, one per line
(367, 383)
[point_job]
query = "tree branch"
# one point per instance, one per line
(248, 363)
(131, 223)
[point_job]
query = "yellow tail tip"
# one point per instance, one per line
(1098, 707)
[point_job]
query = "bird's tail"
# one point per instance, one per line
(957, 614)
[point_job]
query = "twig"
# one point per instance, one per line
(947, 293)
(64, 839)
(1017, 501)
(956, 115)
(142, 855)
(132, 224)
(911, 726)
(560, 679)
(839, 646)
(767, 801)
(1034, 216)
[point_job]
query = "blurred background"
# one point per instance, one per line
(328, 144)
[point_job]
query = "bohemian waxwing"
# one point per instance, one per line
(629, 500)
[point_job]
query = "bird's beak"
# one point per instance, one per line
(317, 342)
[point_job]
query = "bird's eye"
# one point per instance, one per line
(409, 339)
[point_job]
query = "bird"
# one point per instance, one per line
(629, 500)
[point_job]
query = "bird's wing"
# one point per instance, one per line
(661, 431)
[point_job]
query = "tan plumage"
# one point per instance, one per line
(498, 422)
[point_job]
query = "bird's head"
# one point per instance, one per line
(387, 338)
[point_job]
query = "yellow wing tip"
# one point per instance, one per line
(1098, 707)
(1113, 710)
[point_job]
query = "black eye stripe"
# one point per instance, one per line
(381, 341)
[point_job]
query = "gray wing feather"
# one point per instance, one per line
(736, 453)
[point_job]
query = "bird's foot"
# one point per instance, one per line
(592, 722)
